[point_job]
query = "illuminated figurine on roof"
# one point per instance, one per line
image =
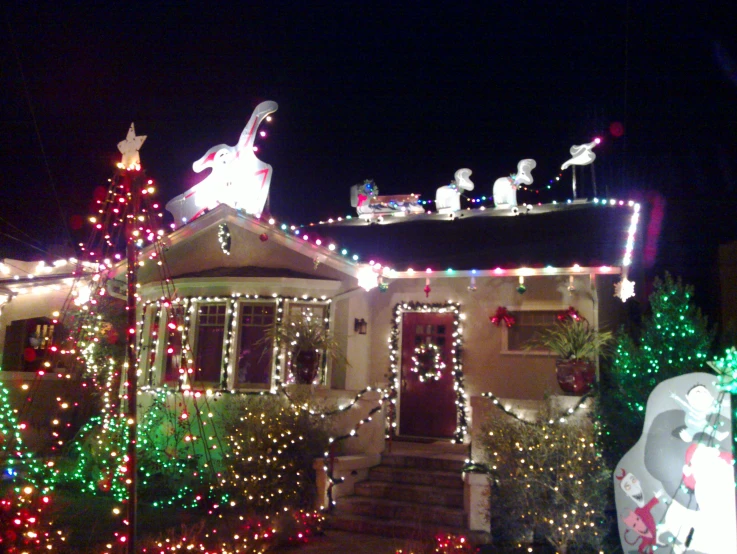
(237, 177)
(582, 154)
(365, 198)
(448, 198)
(505, 188)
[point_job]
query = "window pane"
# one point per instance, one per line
(210, 335)
(527, 326)
(209, 359)
(253, 361)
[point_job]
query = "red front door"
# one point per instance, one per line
(427, 409)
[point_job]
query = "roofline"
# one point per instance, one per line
(501, 272)
(278, 233)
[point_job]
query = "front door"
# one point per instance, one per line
(427, 407)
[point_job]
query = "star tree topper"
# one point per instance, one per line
(129, 148)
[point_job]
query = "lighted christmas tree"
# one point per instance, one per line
(675, 339)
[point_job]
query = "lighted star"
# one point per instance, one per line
(129, 148)
(624, 289)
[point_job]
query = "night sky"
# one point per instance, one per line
(404, 93)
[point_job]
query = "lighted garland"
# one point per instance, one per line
(428, 363)
(456, 354)
(224, 238)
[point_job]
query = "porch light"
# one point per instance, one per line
(360, 326)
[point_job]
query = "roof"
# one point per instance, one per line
(559, 235)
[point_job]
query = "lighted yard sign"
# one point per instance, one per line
(237, 177)
(674, 490)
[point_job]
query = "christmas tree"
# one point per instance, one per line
(674, 339)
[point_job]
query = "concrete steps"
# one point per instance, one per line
(410, 496)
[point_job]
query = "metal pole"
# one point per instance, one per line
(573, 168)
(593, 178)
(131, 376)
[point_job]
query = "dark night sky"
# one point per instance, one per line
(401, 92)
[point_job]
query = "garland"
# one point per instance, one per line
(456, 369)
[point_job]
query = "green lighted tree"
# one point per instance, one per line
(675, 339)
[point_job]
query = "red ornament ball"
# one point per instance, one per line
(29, 354)
(616, 129)
(263, 237)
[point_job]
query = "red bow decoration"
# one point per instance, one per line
(570, 313)
(502, 314)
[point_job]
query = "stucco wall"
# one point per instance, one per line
(485, 366)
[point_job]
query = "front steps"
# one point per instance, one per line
(410, 495)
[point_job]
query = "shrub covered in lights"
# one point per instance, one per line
(272, 445)
(548, 480)
(175, 462)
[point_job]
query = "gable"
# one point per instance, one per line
(195, 250)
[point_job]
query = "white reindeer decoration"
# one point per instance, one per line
(448, 197)
(505, 188)
(237, 178)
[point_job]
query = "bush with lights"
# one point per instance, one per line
(548, 481)
(272, 445)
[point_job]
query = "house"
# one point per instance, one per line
(385, 286)
(430, 309)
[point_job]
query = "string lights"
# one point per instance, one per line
(455, 354)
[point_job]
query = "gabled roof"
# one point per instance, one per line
(589, 234)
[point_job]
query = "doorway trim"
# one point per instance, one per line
(395, 362)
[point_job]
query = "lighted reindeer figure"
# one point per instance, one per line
(237, 177)
(505, 188)
(448, 197)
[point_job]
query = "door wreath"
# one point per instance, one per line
(428, 363)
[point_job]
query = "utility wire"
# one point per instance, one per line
(38, 136)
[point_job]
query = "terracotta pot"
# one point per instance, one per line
(306, 366)
(575, 376)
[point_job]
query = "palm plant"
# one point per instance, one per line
(307, 342)
(573, 339)
(577, 345)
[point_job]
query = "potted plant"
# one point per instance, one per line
(307, 342)
(577, 346)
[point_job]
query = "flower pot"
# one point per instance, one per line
(575, 376)
(305, 367)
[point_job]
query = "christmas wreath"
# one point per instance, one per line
(428, 363)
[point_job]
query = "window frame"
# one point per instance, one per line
(193, 336)
(234, 344)
(505, 350)
(289, 305)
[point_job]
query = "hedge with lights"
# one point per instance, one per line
(547, 479)
(272, 446)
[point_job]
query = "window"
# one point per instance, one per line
(254, 360)
(526, 326)
(209, 342)
(26, 344)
